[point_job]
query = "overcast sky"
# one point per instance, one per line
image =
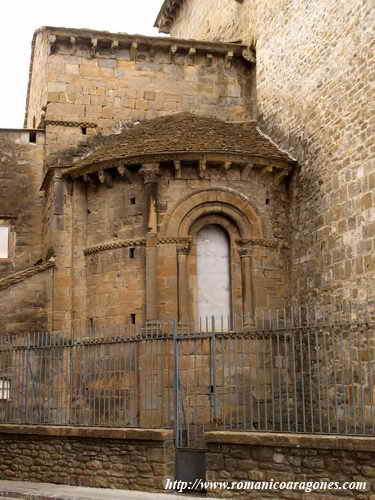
(20, 18)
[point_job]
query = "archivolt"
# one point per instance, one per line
(224, 202)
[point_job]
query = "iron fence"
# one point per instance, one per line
(293, 370)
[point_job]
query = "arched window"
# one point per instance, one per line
(213, 274)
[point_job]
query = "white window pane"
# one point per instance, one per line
(4, 389)
(4, 242)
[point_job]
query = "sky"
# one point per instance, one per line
(20, 18)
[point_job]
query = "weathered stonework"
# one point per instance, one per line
(21, 202)
(221, 20)
(108, 458)
(314, 96)
(97, 79)
(241, 456)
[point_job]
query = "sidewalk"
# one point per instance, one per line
(10, 490)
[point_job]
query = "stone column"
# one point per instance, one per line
(247, 284)
(183, 251)
(150, 172)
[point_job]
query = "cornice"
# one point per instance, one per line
(227, 159)
(95, 40)
(19, 276)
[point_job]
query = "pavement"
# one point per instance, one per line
(12, 490)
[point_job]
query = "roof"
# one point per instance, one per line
(182, 133)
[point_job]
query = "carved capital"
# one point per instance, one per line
(245, 252)
(183, 249)
(150, 172)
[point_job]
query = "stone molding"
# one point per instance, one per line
(112, 245)
(19, 276)
(95, 41)
(62, 123)
(281, 440)
(89, 432)
(174, 241)
(278, 168)
(260, 243)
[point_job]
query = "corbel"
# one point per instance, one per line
(177, 168)
(173, 51)
(151, 53)
(267, 170)
(227, 165)
(73, 44)
(134, 51)
(209, 59)
(248, 55)
(228, 58)
(52, 39)
(94, 46)
(124, 172)
(279, 177)
(114, 46)
(105, 178)
(202, 168)
(245, 171)
(190, 58)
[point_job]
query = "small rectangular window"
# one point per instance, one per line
(4, 242)
(132, 318)
(32, 137)
(132, 252)
(4, 389)
(132, 201)
(84, 130)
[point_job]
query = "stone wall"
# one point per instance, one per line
(108, 222)
(92, 85)
(313, 94)
(21, 169)
(37, 87)
(220, 20)
(25, 299)
(134, 459)
(241, 456)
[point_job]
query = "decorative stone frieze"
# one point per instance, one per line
(174, 241)
(112, 245)
(15, 278)
(62, 123)
(260, 243)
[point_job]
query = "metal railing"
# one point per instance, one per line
(293, 370)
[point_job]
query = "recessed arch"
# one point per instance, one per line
(226, 202)
(213, 274)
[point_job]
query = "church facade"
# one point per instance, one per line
(187, 231)
(134, 147)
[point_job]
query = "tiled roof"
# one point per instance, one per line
(183, 133)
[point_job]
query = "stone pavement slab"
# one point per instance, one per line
(46, 491)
